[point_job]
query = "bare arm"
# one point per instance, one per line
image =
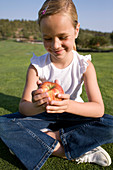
(26, 106)
(93, 108)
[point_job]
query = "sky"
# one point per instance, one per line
(96, 15)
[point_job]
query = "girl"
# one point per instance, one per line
(70, 128)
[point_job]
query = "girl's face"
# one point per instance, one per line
(58, 36)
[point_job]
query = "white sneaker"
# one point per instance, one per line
(98, 156)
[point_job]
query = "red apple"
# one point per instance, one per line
(53, 89)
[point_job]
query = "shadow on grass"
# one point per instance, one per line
(9, 103)
(7, 156)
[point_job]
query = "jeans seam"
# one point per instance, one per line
(32, 134)
(49, 151)
(28, 118)
(68, 155)
(80, 127)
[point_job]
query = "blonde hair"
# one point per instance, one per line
(51, 7)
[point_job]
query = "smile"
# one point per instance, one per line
(58, 51)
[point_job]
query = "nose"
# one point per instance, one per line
(56, 43)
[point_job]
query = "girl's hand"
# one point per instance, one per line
(39, 98)
(59, 106)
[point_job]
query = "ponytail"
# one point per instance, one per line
(74, 47)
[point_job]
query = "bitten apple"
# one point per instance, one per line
(53, 89)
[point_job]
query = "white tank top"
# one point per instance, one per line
(70, 78)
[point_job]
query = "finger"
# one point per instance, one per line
(38, 91)
(59, 103)
(56, 103)
(59, 111)
(43, 102)
(55, 108)
(63, 96)
(56, 81)
(40, 97)
(39, 82)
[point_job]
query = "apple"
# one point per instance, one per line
(53, 89)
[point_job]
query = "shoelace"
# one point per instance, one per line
(81, 160)
(85, 157)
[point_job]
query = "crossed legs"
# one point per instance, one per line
(59, 149)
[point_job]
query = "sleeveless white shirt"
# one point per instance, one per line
(70, 78)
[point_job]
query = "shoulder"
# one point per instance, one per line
(38, 59)
(39, 62)
(31, 73)
(90, 72)
(83, 61)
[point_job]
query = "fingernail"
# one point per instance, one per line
(46, 94)
(59, 95)
(51, 102)
(41, 90)
(49, 98)
(47, 107)
(47, 102)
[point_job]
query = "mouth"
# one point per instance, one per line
(58, 52)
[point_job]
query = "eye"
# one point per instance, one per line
(47, 39)
(63, 38)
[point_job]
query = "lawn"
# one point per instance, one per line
(14, 61)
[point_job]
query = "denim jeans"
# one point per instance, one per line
(23, 135)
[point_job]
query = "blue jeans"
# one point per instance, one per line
(79, 134)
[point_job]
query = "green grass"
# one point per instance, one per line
(14, 61)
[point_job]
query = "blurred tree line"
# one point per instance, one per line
(94, 39)
(24, 30)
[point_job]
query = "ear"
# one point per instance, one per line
(77, 30)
